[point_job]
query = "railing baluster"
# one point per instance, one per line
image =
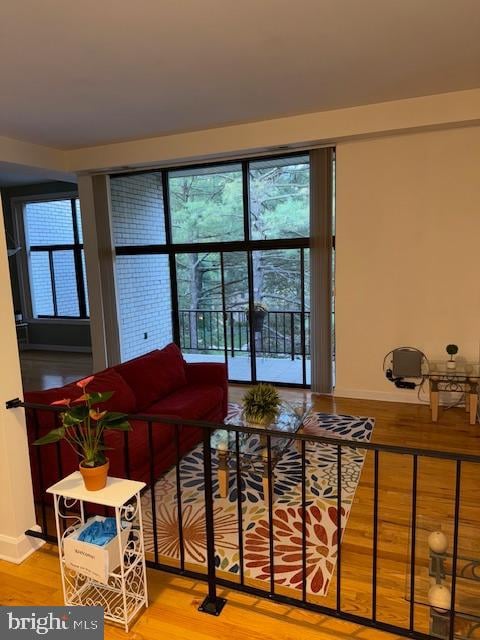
(151, 459)
(58, 450)
(456, 523)
(179, 496)
(276, 332)
(239, 507)
(304, 525)
(339, 528)
(413, 543)
(40, 473)
(292, 335)
(232, 334)
(204, 326)
(270, 515)
(212, 604)
(126, 454)
(375, 535)
(190, 330)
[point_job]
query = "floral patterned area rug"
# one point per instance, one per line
(321, 509)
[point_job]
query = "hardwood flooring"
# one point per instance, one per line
(46, 369)
(174, 600)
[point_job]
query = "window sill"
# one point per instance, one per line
(80, 321)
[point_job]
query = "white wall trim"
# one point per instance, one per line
(17, 550)
(406, 397)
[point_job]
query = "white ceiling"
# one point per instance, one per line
(82, 73)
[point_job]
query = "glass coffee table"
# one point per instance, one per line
(465, 377)
(289, 420)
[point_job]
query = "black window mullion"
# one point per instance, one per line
(77, 258)
(172, 258)
(246, 226)
(52, 282)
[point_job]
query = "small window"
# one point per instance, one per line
(53, 234)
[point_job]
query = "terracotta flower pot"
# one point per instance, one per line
(95, 478)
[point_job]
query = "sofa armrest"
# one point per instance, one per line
(209, 373)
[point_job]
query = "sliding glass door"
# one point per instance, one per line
(234, 240)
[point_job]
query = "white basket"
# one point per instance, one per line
(90, 559)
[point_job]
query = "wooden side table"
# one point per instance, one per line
(125, 593)
(464, 378)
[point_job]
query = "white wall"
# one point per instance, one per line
(408, 253)
(17, 512)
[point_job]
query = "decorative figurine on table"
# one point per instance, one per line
(452, 351)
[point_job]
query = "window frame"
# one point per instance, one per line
(246, 244)
(77, 247)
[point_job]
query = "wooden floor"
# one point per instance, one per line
(173, 611)
(47, 369)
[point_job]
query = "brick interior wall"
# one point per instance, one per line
(143, 282)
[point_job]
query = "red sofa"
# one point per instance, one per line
(157, 383)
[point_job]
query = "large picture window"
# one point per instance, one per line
(234, 281)
(56, 262)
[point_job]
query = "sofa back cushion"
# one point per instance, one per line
(154, 375)
(123, 398)
(44, 420)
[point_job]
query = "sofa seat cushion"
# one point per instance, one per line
(191, 403)
(154, 375)
(123, 398)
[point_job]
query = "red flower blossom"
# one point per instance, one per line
(83, 383)
(97, 415)
(83, 398)
(64, 403)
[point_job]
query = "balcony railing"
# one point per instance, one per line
(419, 616)
(280, 333)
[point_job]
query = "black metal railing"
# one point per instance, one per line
(277, 334)
(411, 459)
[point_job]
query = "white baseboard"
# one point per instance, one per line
(406, 396)
(56, 347)
(16, 550)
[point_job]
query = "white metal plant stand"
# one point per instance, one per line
(125, 593)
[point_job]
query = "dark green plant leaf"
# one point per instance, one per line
(103, 396)
(114, 416)
(120, 426)
(52, 436)
(75, 415)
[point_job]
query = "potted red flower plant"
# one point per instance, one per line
(83, 424)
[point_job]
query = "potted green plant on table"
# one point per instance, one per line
(83, 426)
(452, 350)
(261, 404)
